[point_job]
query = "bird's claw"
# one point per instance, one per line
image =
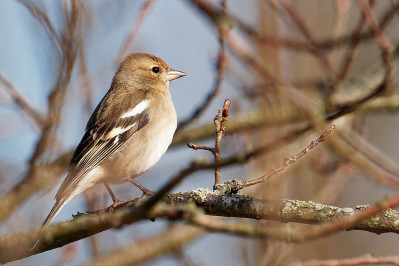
(115, 205)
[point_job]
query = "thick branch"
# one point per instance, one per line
(16, 246)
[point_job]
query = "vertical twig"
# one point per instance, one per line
(220, 129)
(220, 126)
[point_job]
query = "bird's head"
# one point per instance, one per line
(146, 71)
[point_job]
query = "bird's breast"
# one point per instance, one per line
(144, 148)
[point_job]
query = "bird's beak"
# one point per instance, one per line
(174, 74)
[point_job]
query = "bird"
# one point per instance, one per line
(128, 132)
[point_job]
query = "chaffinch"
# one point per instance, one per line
(128, 132)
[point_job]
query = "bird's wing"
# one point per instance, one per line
(103, 138)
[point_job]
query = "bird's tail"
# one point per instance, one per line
(55, 210)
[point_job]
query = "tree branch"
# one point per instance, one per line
(180, 206)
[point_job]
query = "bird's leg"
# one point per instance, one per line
(114, 198)
(145, 190)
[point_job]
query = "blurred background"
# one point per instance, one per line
(284, 65)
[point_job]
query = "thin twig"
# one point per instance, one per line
(220, 125)
(199, 147)
(220, 130)
(290, 160)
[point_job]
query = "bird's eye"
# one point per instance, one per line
(155, 69)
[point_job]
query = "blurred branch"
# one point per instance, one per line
(385, 44)
(21, 102)
(298, 22)
(287, 113)
(368, 259)
(345, 148)
(341, 146)
(213, 13)
(328, 44)
(86, 88)
(353, 44)
(360, 144)
(169, 242)
(44, 177)
(381, 105)
(43, 19)
(135, 28)
(337, 180)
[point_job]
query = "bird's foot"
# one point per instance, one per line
(115, 205)
(148, 192)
